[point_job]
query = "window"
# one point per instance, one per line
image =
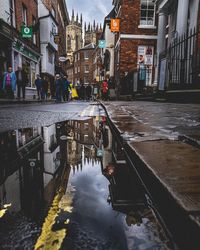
(69, 44)
(50, 56)
(12, 13)
(85, 79)
(147, 12)
(34, 33)
(77, 43)
(86, 55)
(78, 56)
(86, 68)
(24, 15)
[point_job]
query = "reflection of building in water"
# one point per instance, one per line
(21, 181)
(85, 131)
(74, 150)
(51, 153)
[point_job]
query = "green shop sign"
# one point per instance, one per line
(25, 51)
(27, 32)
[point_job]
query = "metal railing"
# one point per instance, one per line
(183, 62)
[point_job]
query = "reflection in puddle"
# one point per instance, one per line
(52, 174)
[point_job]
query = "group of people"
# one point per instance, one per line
(12, 79)
(60, 89)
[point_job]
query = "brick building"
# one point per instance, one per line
(137, 37)
(83, 64)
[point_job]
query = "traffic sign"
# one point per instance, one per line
(27, 32)
(102, 44)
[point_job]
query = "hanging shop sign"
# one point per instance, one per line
(102, 44)
(114, 25)
(57, 39)
(27, 32)
(62, 59)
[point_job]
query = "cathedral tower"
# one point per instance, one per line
(74, 36)
(91, 33)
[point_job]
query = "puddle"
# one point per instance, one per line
(60, 188)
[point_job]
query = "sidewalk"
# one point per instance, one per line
(21, 101)
(162, 141)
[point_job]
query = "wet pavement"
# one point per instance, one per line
(33, 115)
(161, 142)
(56, 193)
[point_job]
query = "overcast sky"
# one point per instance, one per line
(91, 9)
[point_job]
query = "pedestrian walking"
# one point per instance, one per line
(88, 92)
(38, 84)
(105, 90)
(45, 86)
(58, 83)
(74, 93)
(9, 83)
(82, 92)
(66, 88)
(141, 73)
(22, 80)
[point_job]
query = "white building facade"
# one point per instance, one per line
(177, 20)
(48, 31)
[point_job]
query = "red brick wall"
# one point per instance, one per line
(82, 63)
(32, 10)
(129, 53)
(130, 19)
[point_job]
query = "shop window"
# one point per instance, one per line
(24, 14)
(147, 16)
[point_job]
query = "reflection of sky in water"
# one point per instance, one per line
(91, 209)
(96, 217)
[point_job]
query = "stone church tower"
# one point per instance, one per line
(91, 33)
(74, 35)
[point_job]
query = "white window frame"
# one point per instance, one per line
(144, 23)
(87, 69)
(24, 15)
(86, 55)
(34, 33)
(13, 13)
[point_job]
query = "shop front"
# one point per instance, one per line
(6, 37)
(29, 60)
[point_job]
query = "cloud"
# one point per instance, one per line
(91, 9)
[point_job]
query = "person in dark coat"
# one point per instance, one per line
(58, 83)
(45, 86)
(66, 88)
(21, 82)
(38, 84)
(88, 91)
